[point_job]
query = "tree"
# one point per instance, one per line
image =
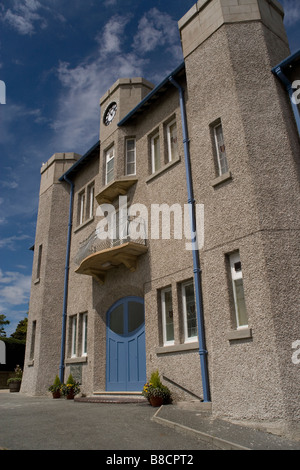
(21, 330)
(3, 322)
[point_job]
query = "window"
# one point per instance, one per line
(81, 207)
(84, 334)
(39, 262)
(109, 159)
(172, 141)
(238, 291)
(32, 344)
(155, 153)
(167, 316)
(189, 312)
(220, 150)
(74, 336)
(130, 157)
(90, 207)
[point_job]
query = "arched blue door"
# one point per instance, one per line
(125, 346)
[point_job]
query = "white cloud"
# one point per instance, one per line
(14, 288)
(155, 29)
(292, 12)
(110, 39)
(14, 297)
(9, 243)
(24, 15)
(118, 56)
(77, 119)
(9, 185)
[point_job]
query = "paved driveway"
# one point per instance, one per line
(31, 423)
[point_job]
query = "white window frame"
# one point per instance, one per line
(222, 168)
(236, 275)
(91, 193)
(128, 152)
(74, 336)
(164, 323)
(109, 156)
(153, 138)
(84, 334)
(170, 156)
(81, 207)
(188, 339)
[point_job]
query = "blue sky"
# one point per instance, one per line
(57, 58)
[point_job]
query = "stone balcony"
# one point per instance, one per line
(100, 253)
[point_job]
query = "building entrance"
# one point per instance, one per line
(125, 346)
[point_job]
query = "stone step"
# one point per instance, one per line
(113, 397)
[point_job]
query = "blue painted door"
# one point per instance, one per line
(125, 346)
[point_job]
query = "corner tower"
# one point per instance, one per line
(46, 300)
(252, 204)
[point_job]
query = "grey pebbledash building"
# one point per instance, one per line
(214, 146)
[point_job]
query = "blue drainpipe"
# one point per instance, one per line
(66, 283)
(195, 251)
(288, 85)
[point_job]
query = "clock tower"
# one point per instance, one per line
(119, 100)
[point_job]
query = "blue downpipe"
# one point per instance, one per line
(195, 251)
(66, 284)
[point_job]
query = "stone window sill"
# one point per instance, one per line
(162, 170)
(76, 360)
(221, 179)
(177, 348)
(84, 224)
(243, 333)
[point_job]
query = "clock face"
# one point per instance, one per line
(110, 113)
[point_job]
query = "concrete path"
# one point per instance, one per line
(42, 423)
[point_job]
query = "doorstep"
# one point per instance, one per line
(113, 397)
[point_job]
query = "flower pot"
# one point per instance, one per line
(156, 401)
(70, 395)
(14, 386)
(56, 394)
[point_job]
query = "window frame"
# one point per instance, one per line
(90, 200)
(110, 156)
(221, 170)
(130, 139)
(164, 323)
(153, 166)
(39, 261)
(32, 340)
(171, 157)
(73, 336)
(84, 328)
(81, 215)
(234, 258)
(187, 339)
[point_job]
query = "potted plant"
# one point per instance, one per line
(70, 389)
(14, 383)
(156, 393)
(55, 388)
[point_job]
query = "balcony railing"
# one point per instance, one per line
(106, 249)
